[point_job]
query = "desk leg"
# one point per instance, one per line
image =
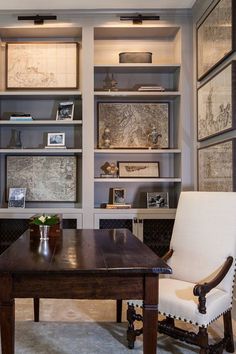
(7, 318)
(150, 314)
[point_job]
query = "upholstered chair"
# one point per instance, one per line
(202, 257)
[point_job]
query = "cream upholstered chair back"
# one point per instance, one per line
(204, 235)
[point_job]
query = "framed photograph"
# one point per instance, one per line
(65, 111)
(216, 36)
(131, 124)
(216, 103)
(216, 167)
(138, 169)
(42, 65)
(16, 197)
(157, 200)
(46, 178)
(118, 196)
(56, 139)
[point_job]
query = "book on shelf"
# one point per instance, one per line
(21, 117)
(118, 206)
(55, 147)
(151, 88)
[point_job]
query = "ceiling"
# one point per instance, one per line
(38, 5)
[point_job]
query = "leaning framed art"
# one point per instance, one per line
(131, 123)
(216, 37)
(216, 103)
(217, 167)
(42, 65)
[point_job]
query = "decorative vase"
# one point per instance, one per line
(44, 232)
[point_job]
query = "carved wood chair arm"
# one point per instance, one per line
(201, 290)
(167, 255)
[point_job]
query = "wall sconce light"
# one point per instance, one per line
(138, 19)
(38, 19)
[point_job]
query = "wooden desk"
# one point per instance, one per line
(80, 264)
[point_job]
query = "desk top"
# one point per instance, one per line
(82, 251)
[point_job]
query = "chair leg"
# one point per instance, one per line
(228, 332)
(36, 309)
(203, 340)
(118, 311)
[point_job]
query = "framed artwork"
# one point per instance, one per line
(157, 200)
(216, 103)
(56, 139)
(216, 36)
(118, 196)
(216, 167)
(46, 178)
(42, 65)
(138, 169)
(16, 197)
(131, 124)
(65, 111)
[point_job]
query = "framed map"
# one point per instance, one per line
(216, 167)
(42, 65)
(216, 103)
(46, 178)
(216, 36)
(131, 124)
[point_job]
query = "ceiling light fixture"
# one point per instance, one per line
(38, 19)
(138, 19)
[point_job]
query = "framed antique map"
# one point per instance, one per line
(216, 103)
(216, 167)
(131, 124)
(216, 36)
(42, 65)
(46, 178)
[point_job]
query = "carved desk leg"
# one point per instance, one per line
(150, 314)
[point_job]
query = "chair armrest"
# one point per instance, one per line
(167, 255)
(201, 290)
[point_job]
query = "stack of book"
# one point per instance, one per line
(21, 117)
(151, 88)
(118, 206)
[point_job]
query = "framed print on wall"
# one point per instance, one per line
(42, 65)
(131, 123)
(216, 36)
(216, 103)
(216, 167)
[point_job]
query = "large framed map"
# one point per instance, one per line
(131, 124)
(46, 178)
(42, 65)
(216, 167)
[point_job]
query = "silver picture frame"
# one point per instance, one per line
(16, 197)
(157, 200)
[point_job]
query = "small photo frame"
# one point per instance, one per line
(157, 200)
(16, 198)
(56, 139)
(118, 196)
(138, 169)
(65, 111)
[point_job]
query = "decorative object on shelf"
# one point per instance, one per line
(118, 196)
(157, 200)
(56, 140)
(15, 139)
(138, 169)
(153, 138)
(216, 100)
(135, 57)
(107, 138)
(42, 65)
(16, 198)
(45, 222)
(65, 111)
(110, 84)
(130, 123)
(215, 39)
(216, 167)
(110, 169)
(47, 178)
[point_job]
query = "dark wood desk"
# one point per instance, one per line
(80, 264)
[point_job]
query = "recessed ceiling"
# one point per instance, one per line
(94, 4)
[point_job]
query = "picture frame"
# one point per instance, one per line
(118, 195)
(216, 110)
(16, 197)
(216, 37)
(138, 169)
(47, 178)
(42, 65)
(157, 200)
(56, 139)
(130, 124)
(217, 166)
(65, 111)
